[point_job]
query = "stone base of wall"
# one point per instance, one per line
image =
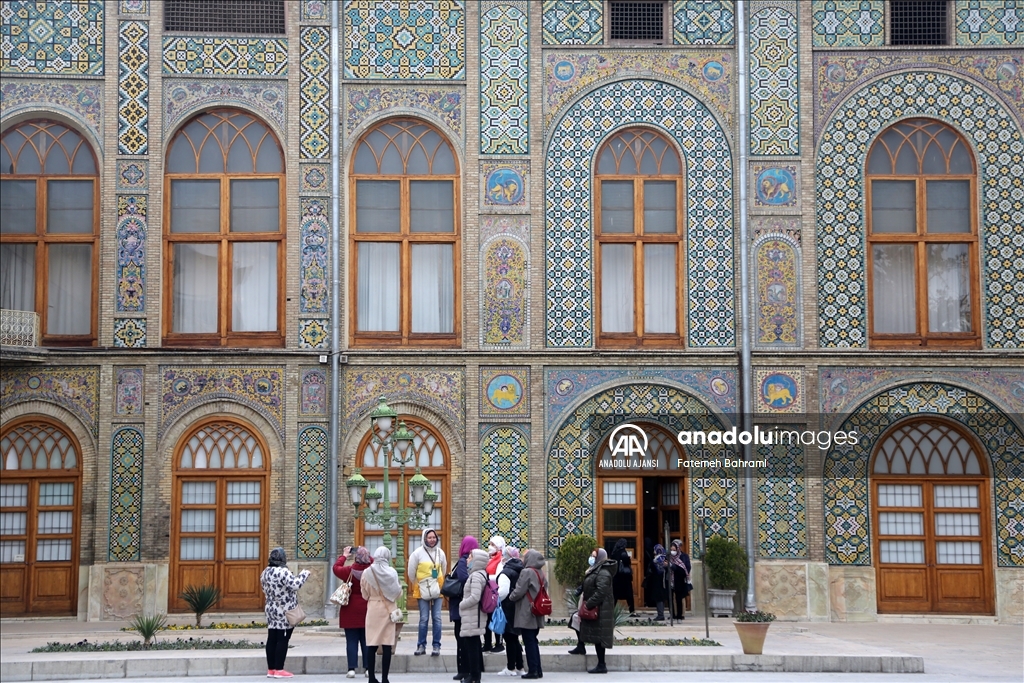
(1010, 595)
(793, 590)
(117, 592)
(852, 594)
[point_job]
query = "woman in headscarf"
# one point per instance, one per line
(474, 619)
(380, 588)
(598, 594)
(469, 544)
(531, 580)
(679, 562)
(352, 617)
(506, 584)
(657, 581)
(622, 587)
(495, 563)
(282, 590)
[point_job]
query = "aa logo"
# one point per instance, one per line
(628, 441)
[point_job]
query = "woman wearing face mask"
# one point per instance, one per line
(495, 564)
(427, 568)
(680, 564)
(598, 594)
(380, 589)
(461, 571)
(507, 580)
(474, 619)
(657, 581)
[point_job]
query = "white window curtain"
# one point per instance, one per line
(660, 288)
(894, 294)
(949, 288)
(18, 277)
(69, 308)
(254, 287)
(379, 282)
(433, 288)
(617, 288)
(195, 288)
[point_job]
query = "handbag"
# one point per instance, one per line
(295, 616)
(396, 616)
(587, 613)
(452, 588)
(342, 593)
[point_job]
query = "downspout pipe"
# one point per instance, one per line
(746, 370)
(335, 410)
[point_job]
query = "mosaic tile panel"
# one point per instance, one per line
(571, 458)
(777, 298)
(504, 80)
(260, 387)
(314, 179)
(315, 10)
(779, 390)
(79, 101)
(990, 22)
(131, 254)
(846, 489)
(184, 98)
(708, 75)
(75, 388)
(225, 56)
(314, 92)
(504, 391)
(774, 83)
(311, 513)
(505, 483)
(313, 392)
(775, 188)
(840, 190)
(129, 392)
(130, 333)
(442, 105)
(704, 22)
(313, 273)
(782, 501)
(438, 388)
(848, 23)
(132, 175)
(505, 187)
(573, 22)
(314, 333)
(126, 461)
(425, 39)
(505, 270)
(133, 7)
(133, 88)
(54, 37)
(513, 226)
(569, 233)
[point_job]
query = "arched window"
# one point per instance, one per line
(224, 233)
(639, 199)
(220, 517)
(923, 235)
(430, 454)
(405, 237)
(49, 213)
(39, 519)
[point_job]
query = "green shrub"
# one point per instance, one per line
(200, 599)
(147, 626)
(757, 617)
(571, 560)
(727, 564)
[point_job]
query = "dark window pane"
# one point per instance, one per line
(255, 206)
(195, 206)
(181, 158)
(949, 206)
(640, 21)
(432, 206)
(918, 22)
(620, 520)
(960, 161)
(17, 207)
(893, 206)
(69, 207)
(659, 207)
(617, 206)
(225, 16)
(444, 162)
(378, 206)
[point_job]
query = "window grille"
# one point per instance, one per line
(225, 16)
(918, 22)
(637, 21)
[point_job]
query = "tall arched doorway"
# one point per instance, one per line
(39, 518)
(219, 519)
(932, 519)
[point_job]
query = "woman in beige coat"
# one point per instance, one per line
(474, 619)
(380, 588)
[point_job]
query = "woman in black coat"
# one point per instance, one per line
(679, 561)
(622, 587)
(657, 581)
(598, 594)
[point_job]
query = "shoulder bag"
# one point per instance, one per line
(453, 586)
(429, 587)
(343, 593)
(295, 615)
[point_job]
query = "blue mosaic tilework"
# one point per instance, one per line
(399, 40)
(313, 275)
(314, 93)
(573, 22)
(131, 254)
(225, 56)
(504, 80)
(311, 513)
(845, 140)
(316, 10)
(846, 488)
(505, 483)
(132, 175)
(76, 388)
(571, 458)
(130, 333)
(774, 83)
(125, 531)
(314, 333)
(260, 387)
(185, 97)
(133, 88)
(848, 23)
(54, 37)
(990, 22)
(704, 22)
(569, 231)
(781, 501)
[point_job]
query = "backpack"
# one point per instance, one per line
(499, 621)
(489, 597)
(541, 606)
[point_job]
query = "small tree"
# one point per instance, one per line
(727, 564)
(571, 560)
(147, 626)
(200, 599)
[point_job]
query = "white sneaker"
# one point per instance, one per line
(351, 673)
(520, 672)
(506, 672)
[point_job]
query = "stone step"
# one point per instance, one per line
(936, 619)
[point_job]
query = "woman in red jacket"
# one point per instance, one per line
(352, 617)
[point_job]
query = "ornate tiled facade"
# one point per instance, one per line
(183, 98)
(848, 23)
(504, 391)
(76, 388)
(316, 10)
(313, 273)
(505, 483)
(506, 274)
(505, 187)
(132, 175)
(314, 333)
(130, 333)
(704, 22)
(129, 392)
(775, 188)
(504, 79)
(778, 292)
(442, 106)
(438, 388)
(133, 88)
(131, 254)
(184, 387)
(779, 390)
(311, 513)
(225, 56)
(573, 22)
(989, 22)
(81, 101)
(133, 7)
(568, 231)
(314, 93)
(126, 466)
(782, 501)
(54, 37)
(774, 81)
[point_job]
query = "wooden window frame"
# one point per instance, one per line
(225, 240)
(667, 26)
(638, 338)
(921, 239)
(42, 240)
(405, 238)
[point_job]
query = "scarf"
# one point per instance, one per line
(677, 560)
(509, 553)
(469, 543)
(384, 575)
(277, 558)
(363, 556)
(602, 557)
(659, 557)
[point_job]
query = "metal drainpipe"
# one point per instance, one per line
(746, 371)
(333, 427)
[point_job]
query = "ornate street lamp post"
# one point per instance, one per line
(395, 448)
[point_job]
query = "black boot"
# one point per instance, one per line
(599, 669)
(580, 649)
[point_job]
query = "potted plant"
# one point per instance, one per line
(571, 565)
(752, 628)
(727, 573)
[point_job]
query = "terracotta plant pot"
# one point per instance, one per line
(752, 635)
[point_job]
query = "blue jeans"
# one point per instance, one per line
(430, 609)
(355, 640)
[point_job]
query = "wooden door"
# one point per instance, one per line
(619, 515)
